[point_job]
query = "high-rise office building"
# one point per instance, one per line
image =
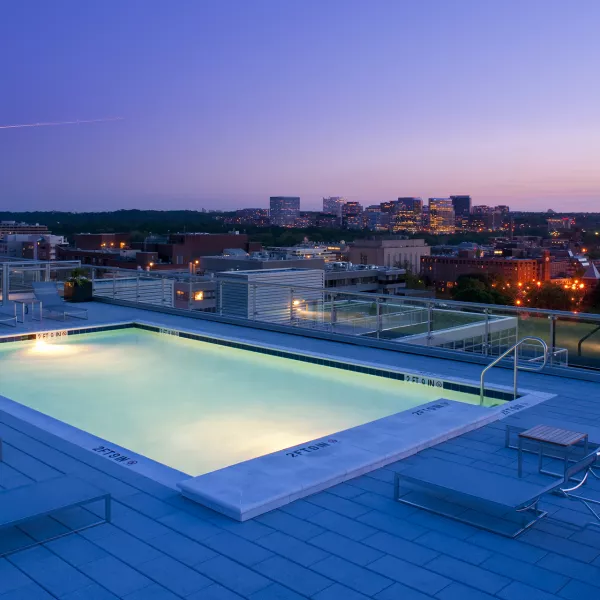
(352, 215)
(441, 215)
(375, 219)
(462, 210)
(407, 215)
(284, 210)
(462, 206)
(488, 218)
(333, 206)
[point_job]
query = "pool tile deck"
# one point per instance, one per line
(349, 542)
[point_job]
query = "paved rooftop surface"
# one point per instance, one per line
(349, 542)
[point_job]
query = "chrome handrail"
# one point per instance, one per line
(514, 348)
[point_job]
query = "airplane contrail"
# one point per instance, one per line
(61, 123)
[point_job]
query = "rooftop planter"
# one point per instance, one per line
(78, 288)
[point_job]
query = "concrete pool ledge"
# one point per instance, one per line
(256, 486)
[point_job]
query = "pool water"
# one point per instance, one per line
(191, 405)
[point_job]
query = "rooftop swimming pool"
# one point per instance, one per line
(196, 406)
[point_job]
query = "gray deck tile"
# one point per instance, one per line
(572, 568)
(371, 484)
(577, 590)
(11, 578)
(137, 524)
(298, 528)
(303, 553)
(189, 525)
(115, 575)
(302, 509)
(345, 507)
(37, 557)
(453, 547)
(249, 530)
(399, 591)
(508, 547)
(275, 592)
(399, 527)
(59, 578)
(589, 537)
(182, 548)
(214, 592)
(91, 592)
(458, 591)
(237, 548)
(559, 545)
(152, 592)
(344, 490)
(356, 552)
(173, 575)
(337, 523)
(148, 505)
(339, 592)
(532, 575)
(385, 504)
(520, 591)
(401, 548)
(470, 575)
(127, 548)
(427, 520)
(233, 576)
(410, 575)
(351, 575)
(293, 576)
(29, 592)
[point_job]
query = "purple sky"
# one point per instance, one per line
(226, 102)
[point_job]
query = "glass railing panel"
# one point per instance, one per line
(577, 342)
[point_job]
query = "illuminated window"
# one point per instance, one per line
(180, 293)
(199, 295)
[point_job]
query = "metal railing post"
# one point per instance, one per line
(220, 293)
(137, 288)
(5, 292)
(552, 338)
(114, 285)
(378, 314)
(190, 294)
(162, 289)
(429, 322)
(291, 306)
(516, 373)
(332, 313)
(487, 333)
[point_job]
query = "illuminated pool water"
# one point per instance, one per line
(191, 405)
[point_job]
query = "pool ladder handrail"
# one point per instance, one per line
(514, 348)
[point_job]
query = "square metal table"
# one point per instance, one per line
(25, 308)
(562, 440)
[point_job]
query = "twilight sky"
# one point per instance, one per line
(226, 102)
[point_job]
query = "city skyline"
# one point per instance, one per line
(223, 105)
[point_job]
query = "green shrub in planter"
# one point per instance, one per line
(78, 288)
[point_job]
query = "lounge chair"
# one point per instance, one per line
(497, 503)
(10, 320)
(47, 294)
(26, 503)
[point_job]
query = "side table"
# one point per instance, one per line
(562, 440)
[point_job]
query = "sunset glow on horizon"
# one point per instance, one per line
(224, 104)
